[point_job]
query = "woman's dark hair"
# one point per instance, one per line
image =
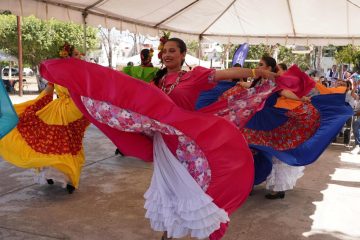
(270, 62)
(236, 79)
(348, 85)
(283, 66)
(181, 44)
(145, 54)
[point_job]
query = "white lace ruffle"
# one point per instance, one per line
(283, 176)
(51, 173)
(175, 202)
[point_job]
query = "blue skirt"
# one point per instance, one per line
(334, 112)
(8, 116)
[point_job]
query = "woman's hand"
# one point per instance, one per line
(49, 88)
(266, 74)
(306, 99)
(289, 94)
(244, 84)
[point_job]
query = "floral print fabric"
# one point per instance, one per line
(50, 138)
(188, 152)
(245, 103)
(303, 122)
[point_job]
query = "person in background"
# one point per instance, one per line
(146, 56)
(323, 81)
(49, 135)
(282, 177)
(353, 99)
(145, 71)
(281, 68)
(332, 75)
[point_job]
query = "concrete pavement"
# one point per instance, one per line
(109, 204)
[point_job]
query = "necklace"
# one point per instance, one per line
(172, 86)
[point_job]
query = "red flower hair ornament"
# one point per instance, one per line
(163, 39)
(66, 50)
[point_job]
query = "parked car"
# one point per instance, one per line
(28, 72)
(14, 71)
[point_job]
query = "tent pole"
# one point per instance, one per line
(20, 61)
(199, 49)
(85, 14)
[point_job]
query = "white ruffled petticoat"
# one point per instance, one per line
(283, 176)
(175, 202)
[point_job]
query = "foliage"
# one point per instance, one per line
(348, 54)
(41, 39)
(286, 56)
(257, 52)
(193, 48)
(329, 51)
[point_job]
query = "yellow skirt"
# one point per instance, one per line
(49, 134)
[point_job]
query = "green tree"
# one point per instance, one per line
(348, 54)
(193, 48)
(286, 56)
(42, 39)
(255, 53)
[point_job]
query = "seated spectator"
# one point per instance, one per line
(324, 82)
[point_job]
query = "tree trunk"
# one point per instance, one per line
(318, 59)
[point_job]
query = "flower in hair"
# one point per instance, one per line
(163, 39)
(66, 50)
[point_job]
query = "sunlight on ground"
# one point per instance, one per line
(338, 213)
(16, 99)
(351, 157)
(346, 175)
(350, 171)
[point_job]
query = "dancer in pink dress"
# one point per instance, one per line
(203, 168)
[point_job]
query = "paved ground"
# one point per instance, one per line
(109, 204)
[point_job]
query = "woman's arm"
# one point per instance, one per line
(237, 72)
(49, 88)
(289, 94)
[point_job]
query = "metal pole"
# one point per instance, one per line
(85, 25)
(227, 57)
(199, 56)
(20, 62)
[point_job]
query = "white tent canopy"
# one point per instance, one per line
(300, 22)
